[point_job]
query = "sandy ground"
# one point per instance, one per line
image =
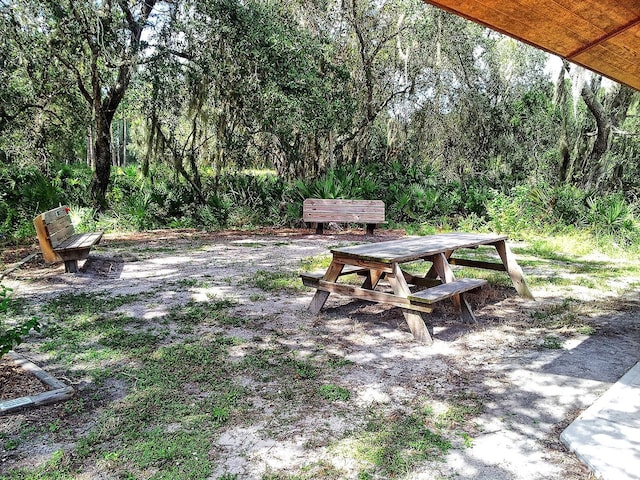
(530, 393)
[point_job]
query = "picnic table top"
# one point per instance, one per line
(415, 248)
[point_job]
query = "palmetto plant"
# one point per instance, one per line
(611, 215)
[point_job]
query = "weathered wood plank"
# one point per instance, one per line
(58, 241)
(43, 239)
(312, 277)
(513, 269)
(58, 237)
(383, 267)
(415, 320)
(370, 295)
(416, 248)
(50, 216)
(80, 241)
(320, 297)
(477, 264)
(446, 290)
(320, 211)
(420, 281)
(60, 223)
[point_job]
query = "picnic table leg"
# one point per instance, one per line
(414, 319)
(320, 297)
(513, 269)
(433, 271)
(373, 277)
(442, 267)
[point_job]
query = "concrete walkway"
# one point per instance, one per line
(606, 436)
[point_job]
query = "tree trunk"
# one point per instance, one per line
(91, 156)
(102, 150)
(601, 144)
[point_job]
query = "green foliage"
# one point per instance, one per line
(612, 216)
(334, 393)
(547, 209)
(12, 336)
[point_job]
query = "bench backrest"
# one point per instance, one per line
(53, 228)
(340, 210)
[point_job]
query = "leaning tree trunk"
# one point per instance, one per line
(601, 144)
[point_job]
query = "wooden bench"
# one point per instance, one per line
(58, 241)
(446, 290)
(320, 211)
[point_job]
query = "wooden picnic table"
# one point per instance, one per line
(376, 261)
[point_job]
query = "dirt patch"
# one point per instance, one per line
(530, 375)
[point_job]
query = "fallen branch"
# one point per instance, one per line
(17, 265)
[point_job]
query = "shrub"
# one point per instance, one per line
(13, 336)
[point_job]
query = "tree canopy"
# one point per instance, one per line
(301, 87)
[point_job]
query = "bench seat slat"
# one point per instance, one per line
(341, 217)
(446, 290)
(80, 241)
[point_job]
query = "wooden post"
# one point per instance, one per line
(320, 297)
(513, 269)
(373, 277)
(414, 319)
(71, 266)
(442, 267)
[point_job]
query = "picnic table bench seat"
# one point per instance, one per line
(58, 240)
(321, 211)
(446, 290)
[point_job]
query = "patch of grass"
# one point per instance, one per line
(273, 281)
(561, 315)
(316, 471)
(552, 343)
(179, 396)
(393, 445)
(550, 279)
(460, 409)
(586, 330)
(334, 393)
(280, 365)
(201, 313)
(338, 362)
(193, 282)
(85, 304)
(317, 263)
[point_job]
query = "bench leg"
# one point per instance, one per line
(466, 314)
(319, 228)
(70, 266)
(370, 227)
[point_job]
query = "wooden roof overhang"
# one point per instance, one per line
(601, 35)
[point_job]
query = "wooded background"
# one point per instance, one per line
(395, 100)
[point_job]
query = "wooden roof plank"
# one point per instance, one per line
(601, 35)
